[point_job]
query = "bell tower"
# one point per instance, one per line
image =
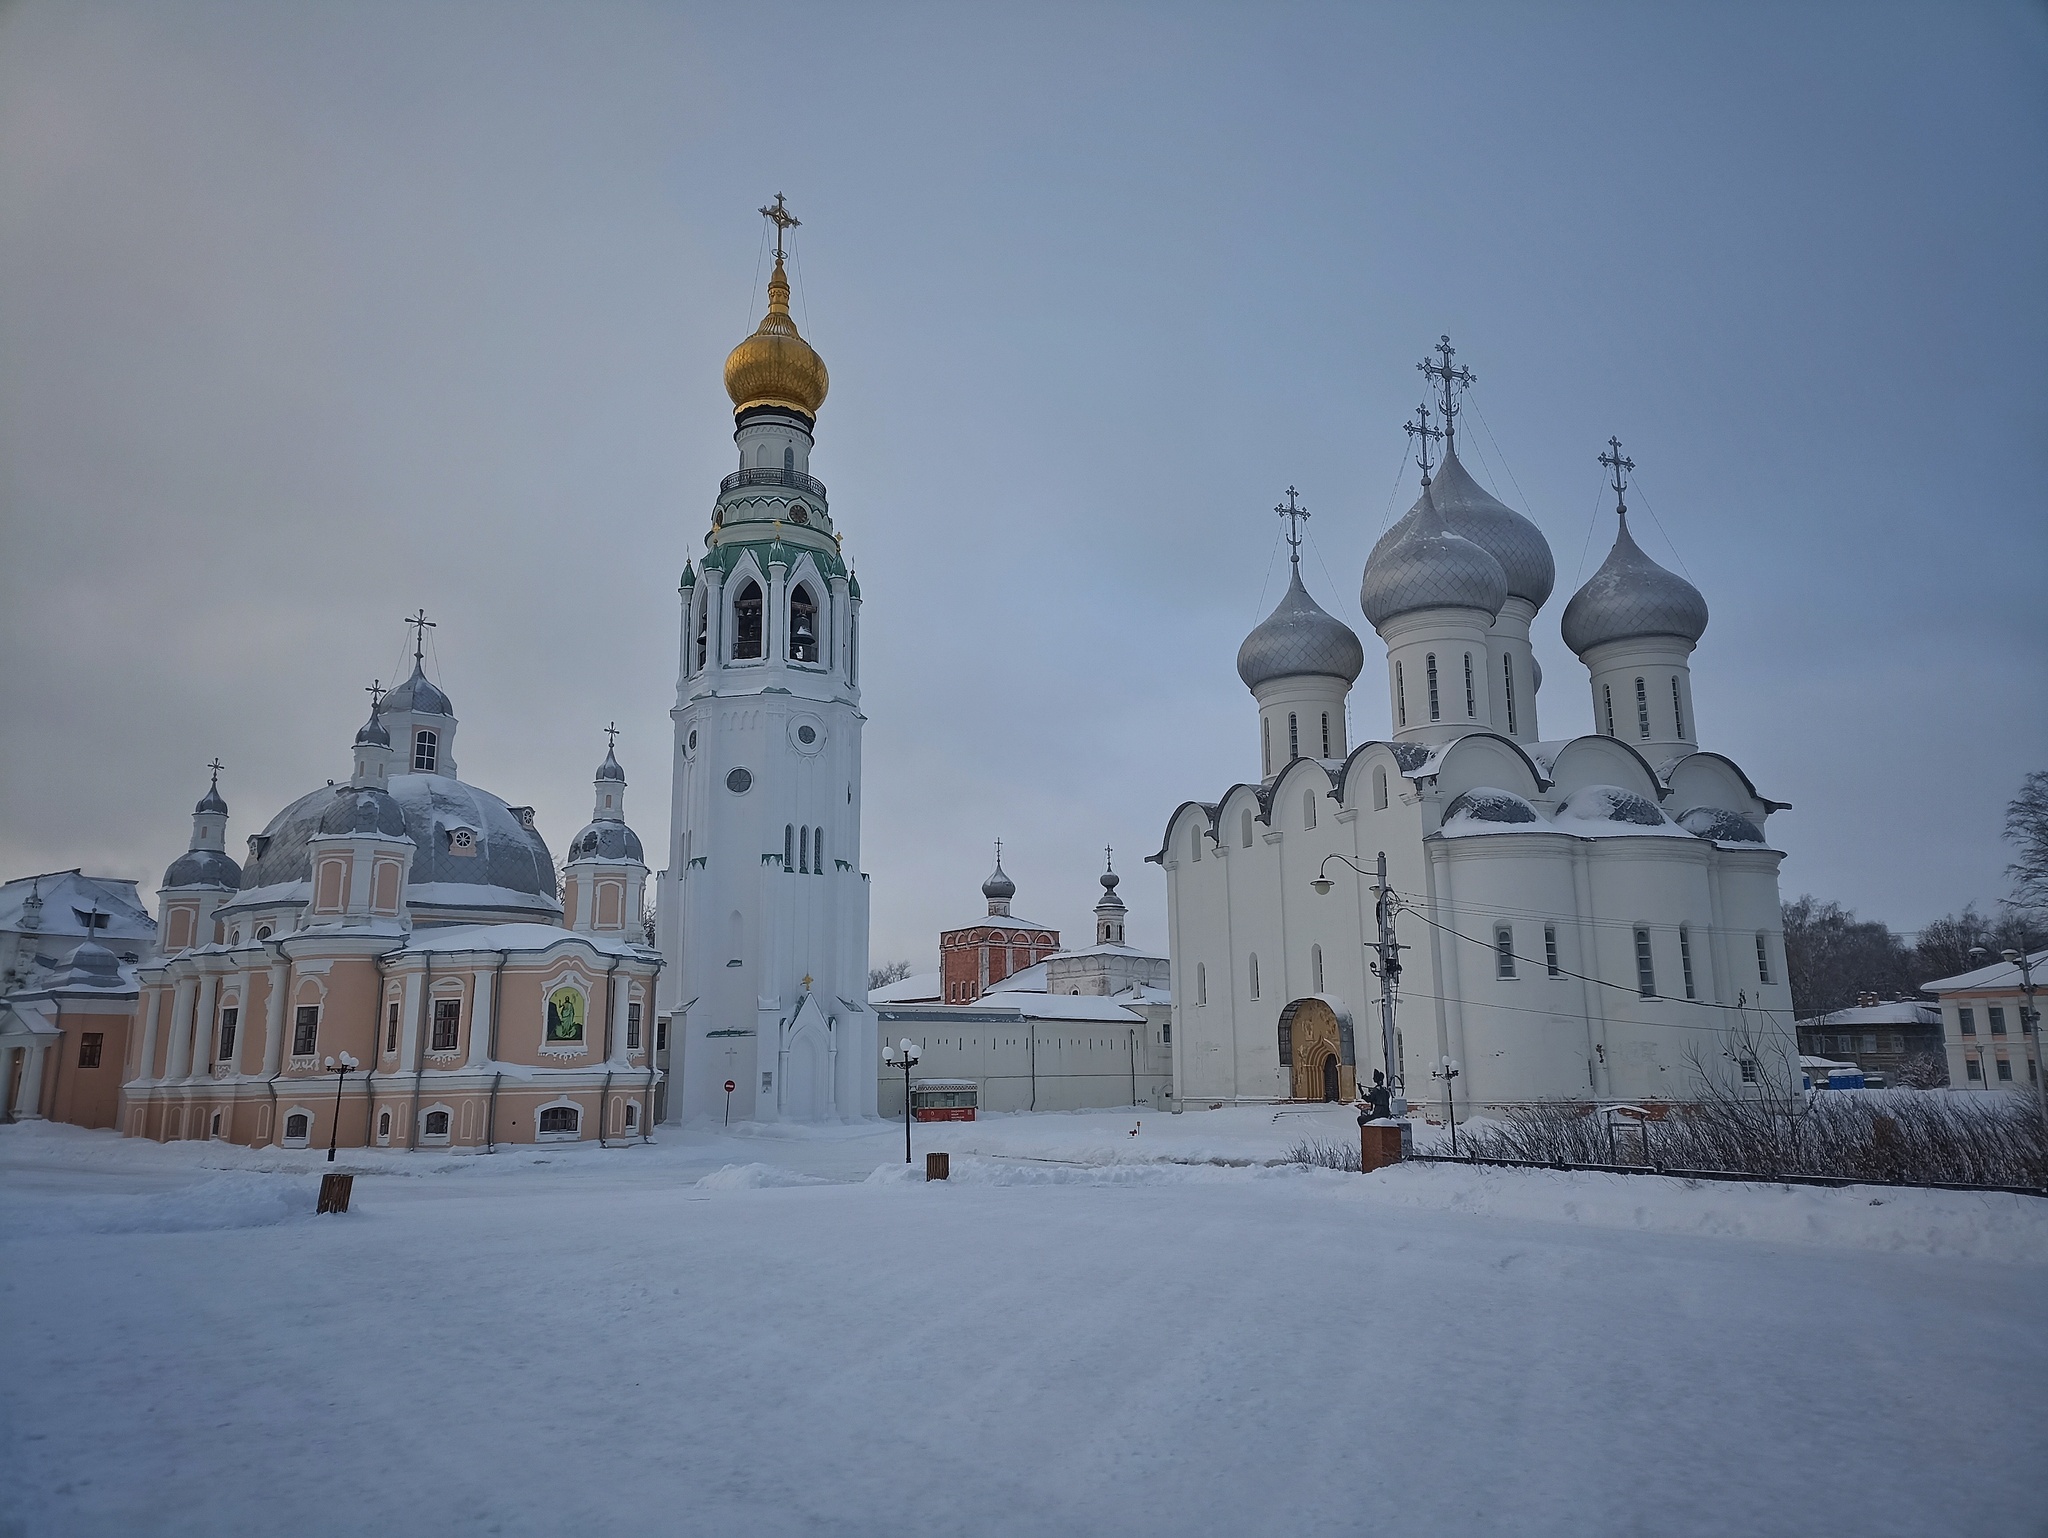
(763, 910)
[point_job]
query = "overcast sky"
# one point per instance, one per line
(314, 314)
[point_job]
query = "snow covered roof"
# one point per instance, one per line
(1031, 979)
(1103, 950)
(1593, 811)
(515, 937)
(1000, 921)
(924, 987)
(2001, 976)
(1901, 1012)
(1057, 1006)
(68, 900)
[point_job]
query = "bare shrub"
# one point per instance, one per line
(1329, 1156)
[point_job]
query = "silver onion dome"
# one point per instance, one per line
(1421, 564)
(374, 732)
(609, 769)
(1471, 510)
(417, 694)
(1632, 596)
(1298, 638)
(999, 887)
(204, 867)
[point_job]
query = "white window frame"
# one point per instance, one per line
(285, 1139)
(437, 1139)
(560, 1103)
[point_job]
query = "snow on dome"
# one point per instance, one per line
(1485, 804)
(417, 695)
(609, 769)
(1610, 803)
(1421, 564)
(1511, 539)
(204, 867)
(1630, 596)
(211, 802)
(91, 965)
(1299, 638)
(606, 841)
(1720, 825)
(362, 811)
(374, 732)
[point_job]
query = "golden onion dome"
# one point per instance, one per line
(775, 366)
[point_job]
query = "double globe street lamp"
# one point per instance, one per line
(903, 1055)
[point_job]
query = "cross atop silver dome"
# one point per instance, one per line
(1630, 596)
(1299, 638)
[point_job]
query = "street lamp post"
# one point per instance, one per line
(341, 1071)
(1449, 1071)
(904, 1056)
(1386, 967)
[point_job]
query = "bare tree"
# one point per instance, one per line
(2026, 825)
(1831, 956)
(888, 972)
(1945, 944)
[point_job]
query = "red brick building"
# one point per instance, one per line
(975, 957)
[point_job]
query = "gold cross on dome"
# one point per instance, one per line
(782, 219)
(807, 982)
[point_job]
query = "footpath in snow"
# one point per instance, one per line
(1104, 1322)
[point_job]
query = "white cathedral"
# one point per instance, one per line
(763, 910)
(1589, 917)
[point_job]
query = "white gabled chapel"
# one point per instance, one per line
(1590, 917)
(763, 911)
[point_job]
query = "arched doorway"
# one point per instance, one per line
(1316, 1050)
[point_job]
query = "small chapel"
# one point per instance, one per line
(1591, 916)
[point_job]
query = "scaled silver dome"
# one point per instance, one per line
(418, 695)
(1471, 510)
(211, 801)
(1298, 638)
(1421, 564)
(374, 732)
(509, 855)
(999, 887)
(1631, 596)
(362, 811)
(204, 867)
(609, 769)
(606, 841)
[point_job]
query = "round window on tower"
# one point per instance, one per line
(807, 734)
(740, 781)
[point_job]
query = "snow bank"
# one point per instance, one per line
(221, 1201)
(756, 1177)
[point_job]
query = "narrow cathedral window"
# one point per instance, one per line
(789, 846)
(1201, 983)
(425, 752)
(1763, 960)
(1507, 678)
(306, 1031)
(1646, 971)
(817, 851)
(1642, 708)
(1471, 702)
(1685, 960)
(1194, 844)
(1503, 951)
(1308, 809)
(1244, 827)
(391, 1030)
(1607, 706)
(1293, 738)
(746, 613)
(1379, 790)
(1435, 710)
(228, 1017)
(1315, 966)
(703, 627)
(447, 1024)
(803, 850)
(1400, 698)
(803, 625)
(383, 1124)
(1265, 746)
(1550, 951)
(632, 1027)
(1677, 709)
(90, 1045)
(1326, 734)
(1255, 974)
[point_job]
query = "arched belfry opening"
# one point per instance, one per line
(803, 625)
(746, 622)
(1318, 1051)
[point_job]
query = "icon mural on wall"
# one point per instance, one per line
(565, 1015)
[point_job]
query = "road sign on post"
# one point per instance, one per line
(729, 1088)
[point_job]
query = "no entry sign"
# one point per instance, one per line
(730, 1086)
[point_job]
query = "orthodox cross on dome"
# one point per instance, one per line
(216, 766)
(421, 625)
(1616, 461)
(1453, 381)
(1107, 863)
(782, 219)
(1293, 513)
(611, 736)
(1423, 433)
(376, 691)
(999, 851)
(807, 982)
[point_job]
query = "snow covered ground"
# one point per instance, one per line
(1084, 1331)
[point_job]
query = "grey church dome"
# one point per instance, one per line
(1471, 510)
(999, 887)
(374, 732)
(609, 769)
(606, 841)
(1299, 637)
(211, 801)
(1421, 564)
(204, 867)
(1631, 596)
(91, 965)
(418, 695)
(362, 811)
(505, 855)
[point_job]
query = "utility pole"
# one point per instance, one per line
(1386, 966)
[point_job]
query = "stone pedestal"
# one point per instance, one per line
(1379, 1145)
